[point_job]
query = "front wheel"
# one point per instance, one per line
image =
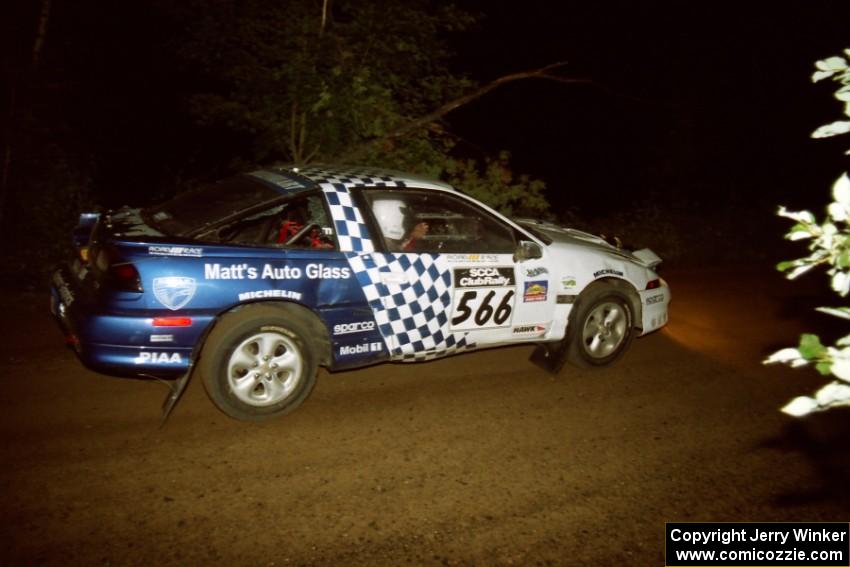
(601, 327)
(258, 362)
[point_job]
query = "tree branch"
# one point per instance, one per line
(40, 34)
(541, 73)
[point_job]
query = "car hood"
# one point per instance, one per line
(569, 239)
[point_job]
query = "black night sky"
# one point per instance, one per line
(694, 105)
(717, 97)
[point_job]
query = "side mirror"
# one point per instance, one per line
(527, 250)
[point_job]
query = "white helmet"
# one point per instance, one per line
(390, 216)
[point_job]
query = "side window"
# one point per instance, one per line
(436, 222)
(301, 222)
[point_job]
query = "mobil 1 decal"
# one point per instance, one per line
(483, 297)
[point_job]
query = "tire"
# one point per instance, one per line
(258, 362)
(601, 327)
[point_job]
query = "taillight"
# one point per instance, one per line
(113, 271)
(172, 321)
(124, 277)
(653, 284)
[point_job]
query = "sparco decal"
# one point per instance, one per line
(271, 272)
(655, 299)
(360, 349)
(176, 251)
(484, 277)
(147, 357)
(270, 294)
(358, 327)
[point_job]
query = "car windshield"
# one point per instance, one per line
(529, 226)
(193, 210)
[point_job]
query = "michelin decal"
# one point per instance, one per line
(607, 272)
(270, 294)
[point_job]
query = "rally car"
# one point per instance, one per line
(256, 281)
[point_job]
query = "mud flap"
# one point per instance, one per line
(550, 356)
(177, 387)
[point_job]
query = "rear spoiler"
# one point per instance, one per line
(83, 231)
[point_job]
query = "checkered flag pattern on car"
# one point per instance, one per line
(350, 176)
(416, 310)
(351, 231)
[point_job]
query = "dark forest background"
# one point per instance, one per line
(681, 126)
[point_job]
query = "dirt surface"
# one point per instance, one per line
(478, 459)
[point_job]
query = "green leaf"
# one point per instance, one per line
(810, 346)
(841, 190)
(834, 63)
(842, 312)
(820, 75)
(824, 368)
(834, 129)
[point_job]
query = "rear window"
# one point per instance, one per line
(189, 212)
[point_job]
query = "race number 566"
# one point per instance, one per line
(483, 308)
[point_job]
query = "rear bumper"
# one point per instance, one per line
(118, 344)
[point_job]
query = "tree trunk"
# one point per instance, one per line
(40, 34)
(37, 49)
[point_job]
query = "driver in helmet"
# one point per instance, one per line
(392, 216)
(296, 217)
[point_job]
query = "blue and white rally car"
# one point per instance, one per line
(258, 280)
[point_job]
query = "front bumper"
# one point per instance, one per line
(654, 304)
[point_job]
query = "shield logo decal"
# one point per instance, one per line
(174, 292)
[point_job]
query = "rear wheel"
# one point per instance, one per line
(601, 327)
(258, 362)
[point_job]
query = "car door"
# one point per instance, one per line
(448, 277)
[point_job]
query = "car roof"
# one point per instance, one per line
(293, 179)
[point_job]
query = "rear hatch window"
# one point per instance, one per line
(189, 212)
